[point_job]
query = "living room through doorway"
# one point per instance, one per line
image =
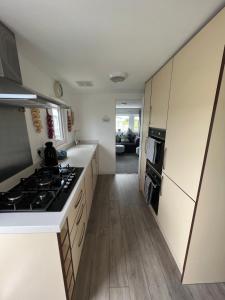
(127, 136)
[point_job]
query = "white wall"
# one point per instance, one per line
(92, 108)
(36, 79)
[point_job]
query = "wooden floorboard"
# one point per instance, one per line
(119, 293)
(125, 256)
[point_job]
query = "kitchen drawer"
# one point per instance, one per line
(75, 205)
(79, 217)
(65, 246)
(63, 232)
(71, 288)
(69, 275)
(78, 243)
(68, 260)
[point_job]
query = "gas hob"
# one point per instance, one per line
(47, 189)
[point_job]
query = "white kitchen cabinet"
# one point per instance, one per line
(145, 126)
(76, 203)
(88, 181)
(94, 165)
(160, 96)
(174, 218)
(193, 88)
(78, 241)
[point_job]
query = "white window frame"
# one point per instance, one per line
(131, 120)
(62, 124)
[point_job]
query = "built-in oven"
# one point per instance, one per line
(152, 187)
(155, 148)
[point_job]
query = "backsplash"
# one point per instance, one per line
(15, 152)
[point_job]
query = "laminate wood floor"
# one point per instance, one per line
(125, 256)
(127, 163)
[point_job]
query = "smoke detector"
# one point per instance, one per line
(118, 77)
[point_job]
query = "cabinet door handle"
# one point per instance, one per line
(80, 216)
(79, 199)
(164, 158)
(160, 193)
(82, 236)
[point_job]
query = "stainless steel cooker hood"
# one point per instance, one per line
(12, 91)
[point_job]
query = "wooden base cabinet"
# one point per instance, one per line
(94, 165)
(88, 181)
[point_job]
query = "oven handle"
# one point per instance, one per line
(160, 193)
(154, 184)
(164, 158)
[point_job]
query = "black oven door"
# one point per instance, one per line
(155, 148)
(152, 187)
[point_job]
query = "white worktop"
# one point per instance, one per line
(78, 156)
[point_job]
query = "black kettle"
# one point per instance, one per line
(50, 155)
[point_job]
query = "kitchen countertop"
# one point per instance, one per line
(78, 156)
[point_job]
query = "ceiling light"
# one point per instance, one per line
(118, 77)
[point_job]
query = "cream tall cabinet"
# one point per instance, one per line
(191, 205)
(206, 255)
(160, 96)
(174, 219)
(193, 88)
(145, 126)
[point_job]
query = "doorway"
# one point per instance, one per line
(127, 135)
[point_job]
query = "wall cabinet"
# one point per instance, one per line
(160, 96)
(174, 217)
(145, 126)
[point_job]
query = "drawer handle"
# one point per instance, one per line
(79, 199)
(81, 214)
(82, 236)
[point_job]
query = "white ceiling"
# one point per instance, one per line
(89, 39)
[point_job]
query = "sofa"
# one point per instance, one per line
(130, 141)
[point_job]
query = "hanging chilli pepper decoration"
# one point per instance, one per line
(69, 121)
(50, 125)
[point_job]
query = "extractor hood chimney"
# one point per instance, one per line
(12, 91)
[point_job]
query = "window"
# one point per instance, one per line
(136, 124)
(58, 125)
(123, 122)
